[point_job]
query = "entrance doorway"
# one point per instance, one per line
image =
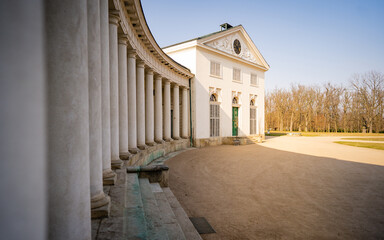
(235, 121)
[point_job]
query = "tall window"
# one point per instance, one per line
(214, 116)
(236, 75)
(215, 69)
(252, 117)
(254, 80)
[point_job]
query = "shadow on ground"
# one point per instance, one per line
(254, 192)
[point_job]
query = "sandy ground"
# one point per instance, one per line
(284, 188)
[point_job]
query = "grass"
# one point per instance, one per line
(381, 139)
(325, 134)
(379, 146)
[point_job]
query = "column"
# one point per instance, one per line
(176, 112)
(132, 130)
(114, 91)
(158, 110)
(23, 163)
(109, 177)
(167, 111)
(184, 113)
(99, 201)
(140, 101)
(149, 114)
(67, 120)
(123, 99)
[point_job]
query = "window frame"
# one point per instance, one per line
(214, 117)
(233, 75)
(257, 80)
(220, 69)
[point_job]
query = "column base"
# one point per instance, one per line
(161, 141)
(168, 139)
(176, 138)
(134, 150)
(100, 206)
(125, 155)
(151, 144)
(184, 137)
(109, 177)
(142, 147)
(117, 164)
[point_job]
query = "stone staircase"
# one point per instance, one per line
(153, 212)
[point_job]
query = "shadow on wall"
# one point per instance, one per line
(287, 195)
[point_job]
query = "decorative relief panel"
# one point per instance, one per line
(225, 44)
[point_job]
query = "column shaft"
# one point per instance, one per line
(176, 112)
(22, 116)
(158, 110)
(123, 99)
(67, 119)
(167, 111)
(98, 198)
(108, 175)
(132, 130)
(140, 101)
(149, 114)
(114, 89)
(184, 123)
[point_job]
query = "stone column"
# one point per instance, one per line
(176, 113)
(114, 91)
(23, 163)
(140, 103)
(149, 120)
(167, 111)
(184, 113)
(123, 99)
(158, 110)
(99, 201)
(132, 131)
(67, 119)
(109, 177)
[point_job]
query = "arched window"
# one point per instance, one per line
(252, 117)
(214, 116)
(252, 103)
(213, 98)
(234, 100)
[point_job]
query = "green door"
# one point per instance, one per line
(235, 121)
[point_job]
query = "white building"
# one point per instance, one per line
(228, 87)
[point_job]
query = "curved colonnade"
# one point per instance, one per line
(103, 91)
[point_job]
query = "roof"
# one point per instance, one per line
(201, 37)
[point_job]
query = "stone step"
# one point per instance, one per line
(168, 218)
(186, 225)
(135, 225)
(155, 228)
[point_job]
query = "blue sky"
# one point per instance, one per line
(307, 42)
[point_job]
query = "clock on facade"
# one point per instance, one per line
(237, 46)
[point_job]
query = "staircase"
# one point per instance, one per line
(153, 212)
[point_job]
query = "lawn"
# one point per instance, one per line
(326, 134)
(379, 146)
(381, 139)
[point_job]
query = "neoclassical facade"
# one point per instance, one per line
(228, 86)
(84, 89)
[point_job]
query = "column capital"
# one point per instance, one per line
(114, 18)
(175, 85)
(123, 39)
(149, 71)
(140, 63)
(167, 82)
(132, 53)
(158, 76)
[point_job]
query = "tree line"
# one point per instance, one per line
(358, 107)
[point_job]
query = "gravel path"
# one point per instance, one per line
(284, 188)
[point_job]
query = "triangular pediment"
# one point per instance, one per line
(224, 42)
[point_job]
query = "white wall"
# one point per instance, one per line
(198, 61)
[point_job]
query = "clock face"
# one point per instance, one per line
(237, 46)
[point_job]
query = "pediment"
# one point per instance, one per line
(225, 42)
